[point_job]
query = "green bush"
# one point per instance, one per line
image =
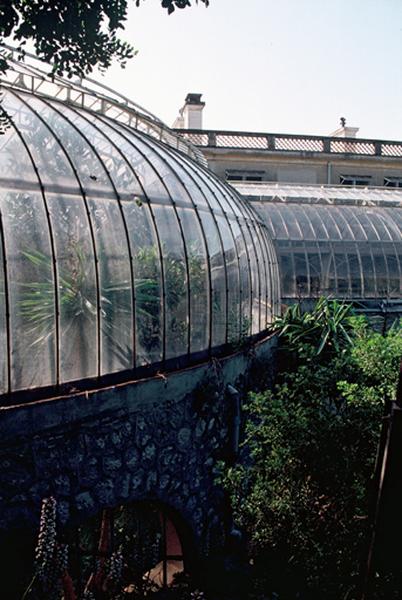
(301, 492)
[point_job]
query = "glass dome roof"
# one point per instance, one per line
(117, 251)
(333, 241)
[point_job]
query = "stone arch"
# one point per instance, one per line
(148, 539)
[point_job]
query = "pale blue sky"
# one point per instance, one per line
(271, 65)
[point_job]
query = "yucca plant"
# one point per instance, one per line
(325, 329)
(77, 299)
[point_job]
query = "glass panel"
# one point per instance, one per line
(245, 280)
(286, 269)
(228, 202)
(279, 226)
(253, 267)
(114, 156)
(301, 270)
(328, 278)
(77, 287)
(144, 244)
(292, 225)
(342, 271)
(15, 163)
(3, 326)
(176, 283)
(327, 216)
(113, 252)
(379, 225)
(355, 271)
(115, 286)
(358, 231)
(393, 219)
(218, 275)
(343, 223)
(381, 270)
(393, 273)
(148, 283)
(234, 291)
(31, 288)
(274, 289)
(199, 289)
(364, 219)
(303, 222)
(320, 233)
(314, 263)
(368, 271)
(264, 274)
(212, 195)
(266, 213)
(111, 243)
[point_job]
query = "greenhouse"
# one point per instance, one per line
(117, 251)
(345, 243)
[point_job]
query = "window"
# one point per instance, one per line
(355, 180)
(244, 175)
(393, 182)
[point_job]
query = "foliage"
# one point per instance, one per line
(301, 492)
(74, 36)
(325, 330)
(113, 556)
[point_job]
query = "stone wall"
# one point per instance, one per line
(156, 439)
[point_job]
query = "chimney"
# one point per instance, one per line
(190, 115)
(343, 131)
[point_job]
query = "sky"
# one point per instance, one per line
(291, 66)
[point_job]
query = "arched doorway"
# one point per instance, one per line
(137, 548)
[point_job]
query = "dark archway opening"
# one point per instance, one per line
(137, 549)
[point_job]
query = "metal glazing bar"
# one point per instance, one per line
(7, 305)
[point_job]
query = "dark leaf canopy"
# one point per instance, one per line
(74, 36)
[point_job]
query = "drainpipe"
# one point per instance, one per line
(329, 166)
(234, 395)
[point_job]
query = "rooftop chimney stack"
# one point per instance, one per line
(190, 116)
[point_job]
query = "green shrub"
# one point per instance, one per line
(301, 493)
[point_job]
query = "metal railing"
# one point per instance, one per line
(281, 142)
(32, 75)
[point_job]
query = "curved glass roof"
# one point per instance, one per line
(333, 241)
(117, 251)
